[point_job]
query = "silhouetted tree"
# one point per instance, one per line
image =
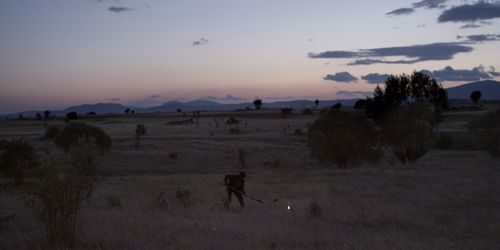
(38, 116)
(18, 157)
(71, 116)
(316, 103)
(475, 96)
(127, 111)
(257, 103)
(337, 105)
(46, 114)
(405, 90)
(344, 139)
(361, 104)
(179, 110)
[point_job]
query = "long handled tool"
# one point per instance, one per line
(238, 191)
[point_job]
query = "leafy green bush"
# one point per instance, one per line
(71, 133)
(52, 131)
(17, 159)
(344, 139)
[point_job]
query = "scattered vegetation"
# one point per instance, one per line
(17, 158)
(52, 131)
(344, 139)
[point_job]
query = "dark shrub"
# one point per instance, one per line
(298, 131)
(71, 116)
(343, 139)
(232, 121)
(140, 130)
(361, 104)
(475, 96)
(17, 159)
(234, 130)
(487, 130)
(407, 132)
(286, 111)
(307, 111)
(257, 103)
(314, 210)
(337, 106)
(70, 135)
(444, 141)
(52, 131)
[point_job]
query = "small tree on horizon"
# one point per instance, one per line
(316, 103)
(257, 103)
(475, 96)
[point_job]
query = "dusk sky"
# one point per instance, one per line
(57, 53)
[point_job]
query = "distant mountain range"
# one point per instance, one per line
(490, 91)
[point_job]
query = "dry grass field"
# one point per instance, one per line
(449, 199)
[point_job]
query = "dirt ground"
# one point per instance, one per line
(449, 199)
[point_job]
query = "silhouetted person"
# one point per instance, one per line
(236, 184)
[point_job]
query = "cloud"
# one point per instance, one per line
(413, 54)
(470, 26)
(483, 38)
(430, 4)
(114, 99)
(202, 41)
(375, 78)
(471, 12)
(341, 77)
(148, 101)
(451, 74)
(227, 98)
(351, 94)
(401, 11)
(119, 9)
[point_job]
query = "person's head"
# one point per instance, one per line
(243, 174)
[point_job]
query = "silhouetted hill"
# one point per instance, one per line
(172, 106)
(490, 90)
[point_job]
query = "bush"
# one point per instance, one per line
(407, 132)
(298, 131)
(487, 131)
(139, 132)
(71, 116)
(444, 141)
(18, 157)
(52, 131)
(286, 111)
(307, 111)
(184, 197)
(114, 201)
(70, 135)
(232, 121)
(56, 201)
(314, 210)
(343, 139)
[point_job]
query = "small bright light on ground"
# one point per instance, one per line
(288, 207)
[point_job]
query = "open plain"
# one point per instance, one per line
(449, 199)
